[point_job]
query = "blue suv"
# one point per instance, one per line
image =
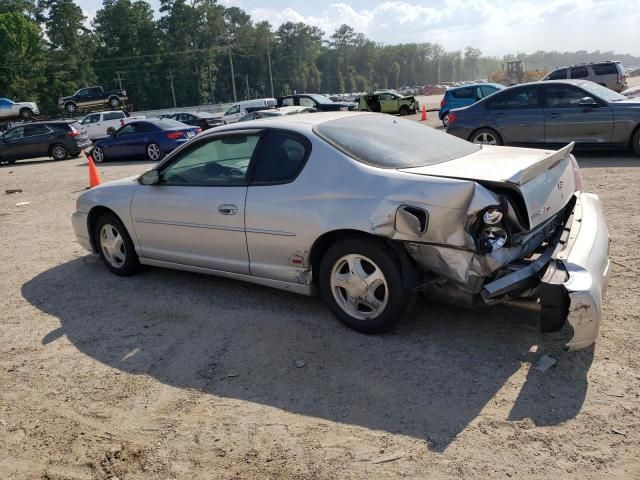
(464, 96)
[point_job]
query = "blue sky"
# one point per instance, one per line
(494, 26)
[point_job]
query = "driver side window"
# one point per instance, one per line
(219, 162)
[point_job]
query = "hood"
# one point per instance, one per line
(544, 179)
(633, 102)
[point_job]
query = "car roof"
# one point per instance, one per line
(475, 84)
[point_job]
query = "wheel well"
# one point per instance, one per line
(633, 134)
(114, 96)
(485, 128)
(324, 242)
(94, 214)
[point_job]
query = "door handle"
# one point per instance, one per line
(554, 115)
(499, 115)
(228, 209)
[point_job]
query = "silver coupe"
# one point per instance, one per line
(368, 209)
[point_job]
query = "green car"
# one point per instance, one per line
(388, 101)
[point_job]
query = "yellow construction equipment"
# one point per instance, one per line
(515, 73)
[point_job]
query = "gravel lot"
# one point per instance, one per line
(172, 375)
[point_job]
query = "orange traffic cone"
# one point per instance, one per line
(424, 113)
(94, 176)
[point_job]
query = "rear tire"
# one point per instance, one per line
(154, 153)
(445, 120)
(70, 108)
(635, 142)
(486, 136)
(59, 152)
(115, 246)
(361, 283)
(114, 102)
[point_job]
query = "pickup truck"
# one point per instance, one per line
(98, 124)
(92, 97)
(10, 110)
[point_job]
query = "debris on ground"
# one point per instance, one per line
(544, 363)
(19, 204)
(300, 363)
(619, 432)
(9, 191)
(388, 458)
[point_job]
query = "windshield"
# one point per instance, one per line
(388, 142)
(320, 98)
(602, 92)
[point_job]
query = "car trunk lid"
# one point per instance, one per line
(544, 179)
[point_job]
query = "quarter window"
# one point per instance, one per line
(563, 96)
(605, 69)
(33, 130)
(280, 158)
(463, 93)
(219, 162)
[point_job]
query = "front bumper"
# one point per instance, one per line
(574, 275)
(81, 229)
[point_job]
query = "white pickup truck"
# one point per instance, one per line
(98, 124)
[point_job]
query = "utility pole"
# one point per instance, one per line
(246, 82)
(270, 75)
(233, 77)
(173, 92)
(119, 78)
(210, 81)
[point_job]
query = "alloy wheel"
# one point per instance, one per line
(98, 155)
(58, 152)
(359, 287)
(485, 138)
(112, 245)
(154, 152)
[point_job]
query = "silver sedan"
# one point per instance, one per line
(369, 210)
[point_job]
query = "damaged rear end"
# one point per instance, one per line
(542, 241)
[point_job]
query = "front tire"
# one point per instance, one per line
(486, 136)
(59, 152)
(404, 111)
(115, 246)
(26, 114)
(114, 102)
(361, 283)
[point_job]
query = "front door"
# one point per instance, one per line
(518, 114)
(36, 140)
(388, 103)
(196, 214)
(567, 121)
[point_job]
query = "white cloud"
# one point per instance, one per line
(494, 26)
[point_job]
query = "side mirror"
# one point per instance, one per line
(152, 177)
(111, 132)
(588, 102)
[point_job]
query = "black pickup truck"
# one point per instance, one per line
(92, 97)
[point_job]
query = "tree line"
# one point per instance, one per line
(201, 52)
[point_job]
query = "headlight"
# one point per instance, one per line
(492, 216)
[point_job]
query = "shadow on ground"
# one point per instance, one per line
(429, 379)
(606, 158)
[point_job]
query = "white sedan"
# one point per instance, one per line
(11, 110)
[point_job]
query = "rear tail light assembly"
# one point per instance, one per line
(74, 133)
(175, 135)
(442, 103)
(452, 118)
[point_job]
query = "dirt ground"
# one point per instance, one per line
(173, 375)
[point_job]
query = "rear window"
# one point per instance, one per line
(558, 74)
(389, 142)
(463, 93)
(167, 124)
(113, 115)
(605, 69)
(76, 126)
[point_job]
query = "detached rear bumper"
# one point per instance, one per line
(572, 275)
(579, 272)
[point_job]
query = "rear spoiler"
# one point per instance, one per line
(547, 163)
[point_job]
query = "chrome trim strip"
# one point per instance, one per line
(265, 282)
(216, 227)
(192, 225)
